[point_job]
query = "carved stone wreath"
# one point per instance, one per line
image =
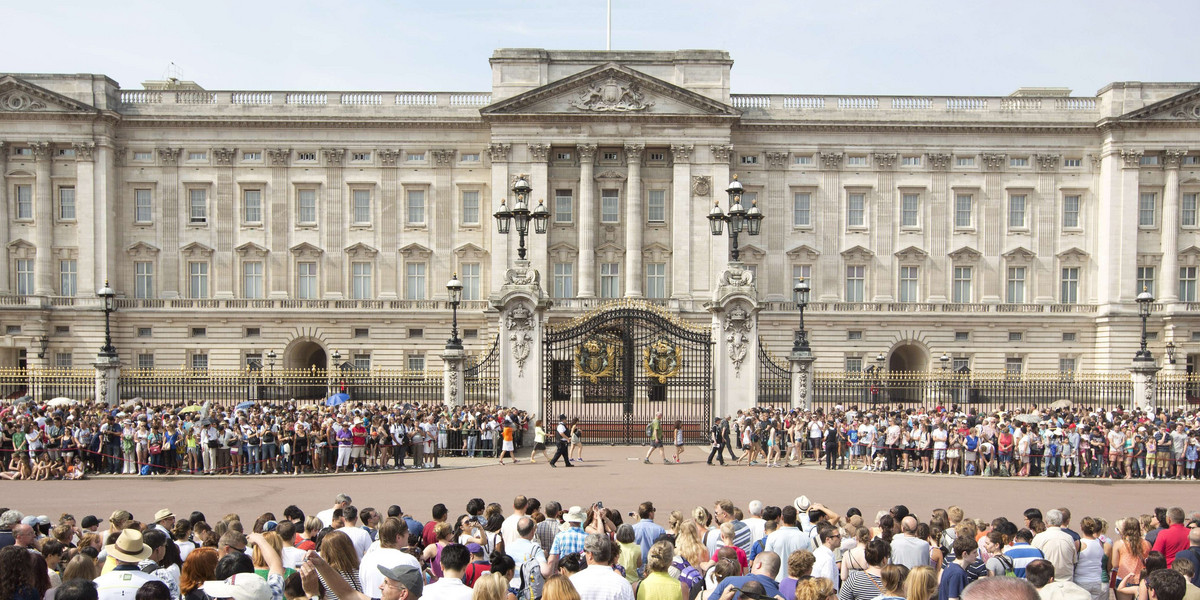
(16, 100)
(1189, 111)
(737, 335)
(612, 96)
(701, 185)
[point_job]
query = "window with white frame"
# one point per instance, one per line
(469, 157)
(469, 275)
(963, 210)
(609, 206)
(470, 207)
(1069, 336)
(856, 161)
(854, 364)
(251, 156)
(1070, 215)
(1016, 211)
(799, 273)
(197, 279)
(1148, 159)
(802, 209)
(1147, 207)
(910, 210)
(1066, 365)
(361, 362)
(960, 292)
(803, 159)
(68, 277)
(962, 336)
(198, 206)
(656, 206)
(1018, 161)
(66, 203)
(362, 206)
(414, 207)
(1187, 284)
(749, 159)
(197, 156)
(361, 280)
(909, 287)
(1145, 280)
(564, 280)
(142, 156)
(63, 360)
(610, 280)
(1072, 162)
(656, 280)
(959, 363)
(143, 212)
(1015, 290)
(1013, 365)
(143, 279)
(306, 206)
(564, 206)
(414, 281)
(416, 362)
(856, 283)
(25, 283)
(252, 279)
(306, 280)
(1069, 288)
(360, 156)
(306, 156)
(24, 194)
(910, 161)
(252, 209)
(856, 209)
(1187, 210)
(145, 361)
(964, 161)
(415, 156)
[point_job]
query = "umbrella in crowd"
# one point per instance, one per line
(1060, 404)
(190, 409)
(245, 405)
(1030, 418)
(61, 401)
(23, 400)
(336, 399)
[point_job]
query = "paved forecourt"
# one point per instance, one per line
(614, 475)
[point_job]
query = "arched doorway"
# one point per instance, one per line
(908, 357)
(904, 362)
(304, 354)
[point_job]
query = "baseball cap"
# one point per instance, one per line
(89, 521)
(406, 576)
(240, 586)
(474, 548)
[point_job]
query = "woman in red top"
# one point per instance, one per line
(358, 441)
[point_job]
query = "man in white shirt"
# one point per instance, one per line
(291, 556)
(599, 581)
(787, 539)
(525, 549)
(1057, 546)
(561, 439)
(755, 521)
(358, 535)
(451, 587)
(326, 516)
(826, 563)
(393, 535)
(125, 579)
(508, 530)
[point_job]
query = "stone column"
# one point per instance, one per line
(108, 373)
(8, 218)
(635, 222)
(522, 305)
(1145, 381)
(225, 212)
(278, 231)
(586, 279)
(681, 222)
(440, 216)
(453, 388)
(735, 355)
(1167, 292)
(499, 244)
(43, 197)
(1042, 213)
(883, 209)
(87, 210)
(990, 222)
(539, 180)
(803, 384)
(169, 222)
(390, 215)
(829, 272)
(939, 227)
(778, 285)
(334, 229)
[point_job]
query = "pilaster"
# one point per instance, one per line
(718, 247)
(586, 279)
(885, 225)
(500, 248)
(829, 271)
(169, 221)
(939, 225)
(779, 283)
(334, 232)
(44, 221)
(522, 305)
(278, 229)
(539, 179)
(8, 218)
(1170, 227)
(1042, 212)
(635, 221)
(87, 209)
(225, 212)
(989, 219)
(440, 207)
(735, 328)
(681, 222)
(389, 226)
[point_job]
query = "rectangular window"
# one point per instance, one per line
(1019, 161)
(143, 285)
(252, 206)
(199, 332)
(854, 335)
(472, 157)
(658, 156)
(1145, 280)
(564, 280)
(804, 160)
(67, 278)
(306, 207)
(910, 161)
(12, 330)
(1016, 211)
(1066, 365)
(962, 210)
(964, 161)
(24, 202)
(856, 280)
(800, 272)
(908, 284)
(362, 207)
(362, 333)
(1015, 336)
(1187, 211)
(361, 362)
(609, 206)
(471, 279)
(960, 364)
(910, 206)
(856, 161)
(252, 279)
(62, 360)
(360, 156)
(1016, 285)
(1147, 206)
(656, 206)
(610, 280)
(961, 293)
(200, 363)
(414, 281)
(306, 280)
(1072, 162)
(610, 156)
(749, 159)
(802, 209)
(66, 203)
(361, 286)
(145, 361)
(197, 280)
(145, 332)
(1070, 218)
(1187, 284)
(251, 156)
(25, 284)
(470, 207)
(1148, 159)
(416, 362)
(1013, 365)
(564, 206)
(197, 156)
(656, 280)
(1069, 292)
(1068, 336)
(253, 332)
(306, 156)
(143, 156)
(142, 212)
(198, 206)
(415, 207)
(962, 336)
(855, 210)
(853, 364)
(415, 156)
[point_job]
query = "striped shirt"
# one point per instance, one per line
(1022, 555)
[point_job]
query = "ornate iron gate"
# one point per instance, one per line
(613, 368)
(481, 375)
(774, 380)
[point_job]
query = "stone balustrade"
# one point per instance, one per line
(165, 102)
(780, 106)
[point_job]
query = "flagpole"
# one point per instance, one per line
(608, 36)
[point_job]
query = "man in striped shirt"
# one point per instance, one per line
(1022, 553)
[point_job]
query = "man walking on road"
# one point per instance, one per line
(655, 429)
(562, 440)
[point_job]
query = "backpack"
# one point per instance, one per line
(1008, 565)
(650, 429)
(530, 575)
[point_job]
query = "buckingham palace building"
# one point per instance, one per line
(1008, 232)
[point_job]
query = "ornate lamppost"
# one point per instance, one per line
(739, 218)
(801, 290)
(455, 288)
(521, 215)
(1144, 300)
(107, 294)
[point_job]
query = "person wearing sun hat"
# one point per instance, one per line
(239, 586)
(165, 521)
(124, 580)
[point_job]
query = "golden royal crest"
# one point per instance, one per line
(595, 359)
(663, 360)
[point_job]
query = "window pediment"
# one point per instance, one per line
(857, 254)
(1072, 255)
(361, 250)
(912, 254)
(656, 252)
(965, 254)
(470, 251)
(1019, 254)
(804, 253)
(306, 250)
(563, 252)
(753, 253)
(196, 250)
(21, 249)
(141, 250)
(251, 250)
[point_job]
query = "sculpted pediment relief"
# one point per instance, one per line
(306, 250)
(1020, 253)
(965, 254)
(1182, 107)
(803, 252)
(912, 253)
(857, 253)
(141, 249)
(610, 90)
(17, 95)
(1072, 254)
(753, 253)
(470, 251)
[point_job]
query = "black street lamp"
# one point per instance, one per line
(1144, 300)
(455, 287)
(802, 291)
(945, 361)
(521, 214)
(739, 218)
(109, 297)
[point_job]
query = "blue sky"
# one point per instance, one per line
(851, 47)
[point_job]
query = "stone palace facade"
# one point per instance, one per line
(1009, 232)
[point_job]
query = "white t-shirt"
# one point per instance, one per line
(508, 530)
(326, 517)
(368, 569)
(447, 588)
(939, 439)
(360, 537)
(292, 557)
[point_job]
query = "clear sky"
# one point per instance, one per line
(967, 47)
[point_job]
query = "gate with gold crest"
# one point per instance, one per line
(618, 365)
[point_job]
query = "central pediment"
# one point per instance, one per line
(610, 91)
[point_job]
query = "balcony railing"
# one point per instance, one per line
(880, 107)
(190, 102)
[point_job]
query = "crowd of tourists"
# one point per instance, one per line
(534, 551)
